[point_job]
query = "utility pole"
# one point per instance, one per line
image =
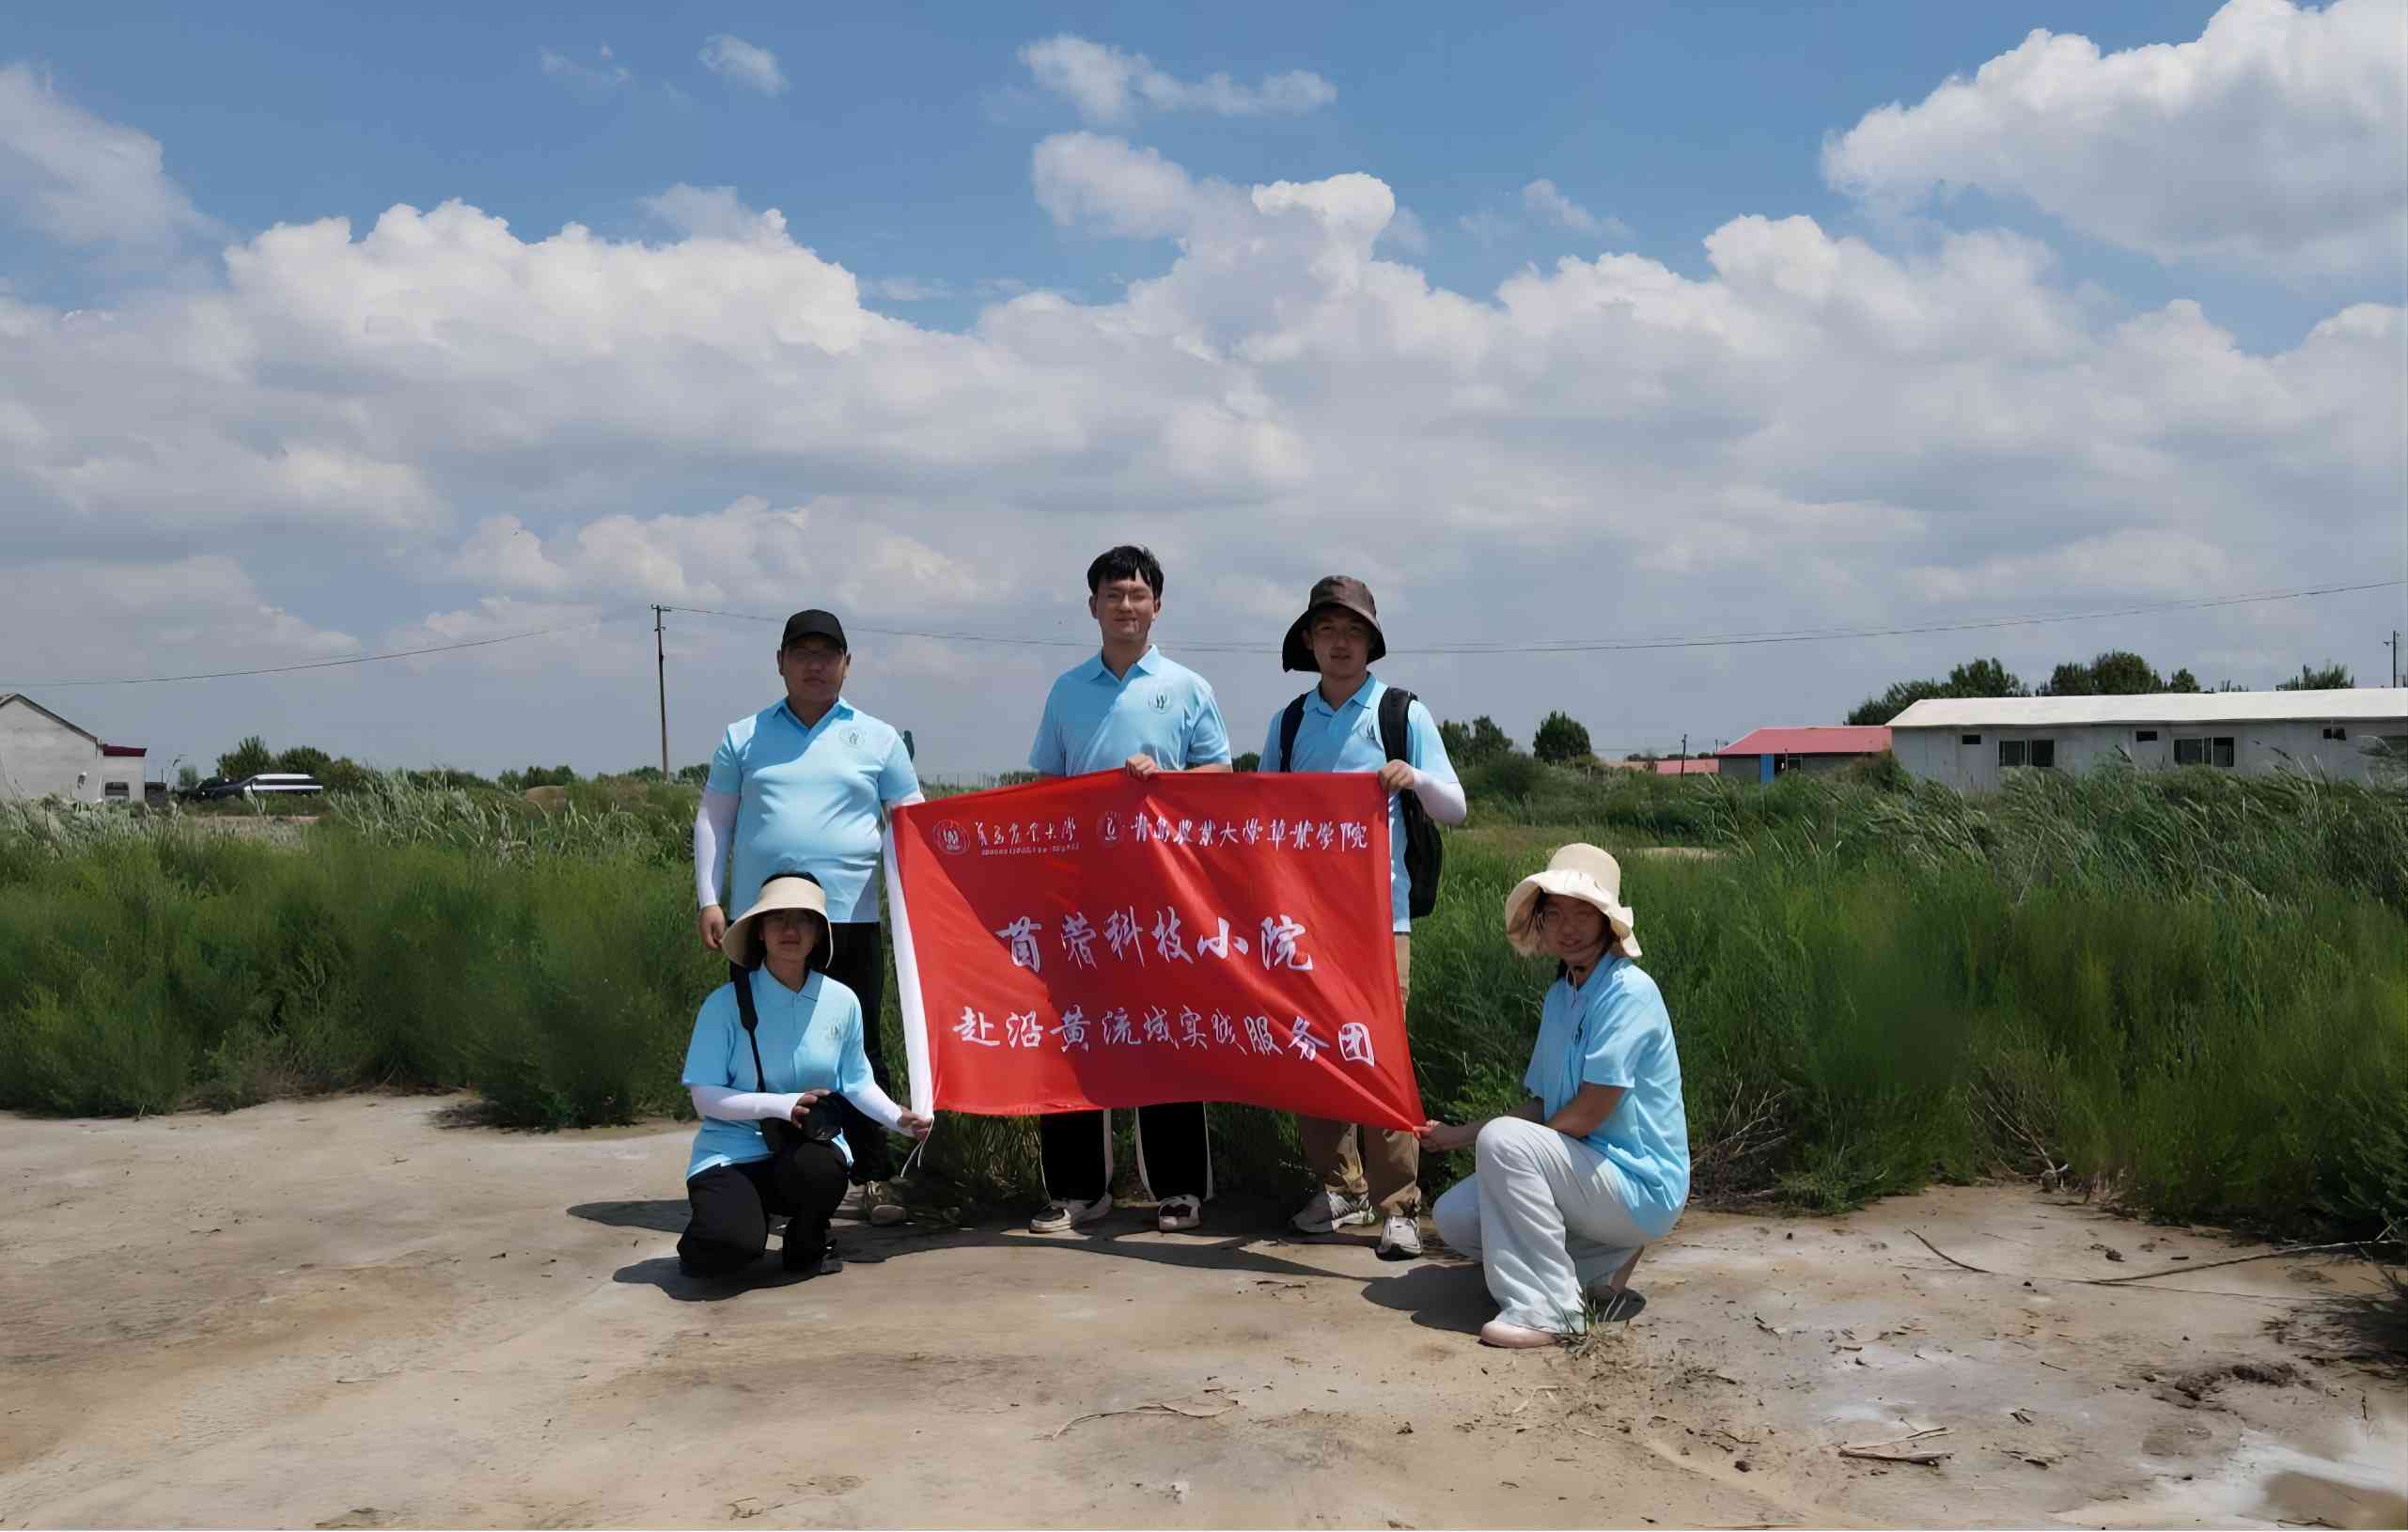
(2394, 646)
(661, 670)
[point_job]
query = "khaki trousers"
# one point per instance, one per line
(1380, 1163)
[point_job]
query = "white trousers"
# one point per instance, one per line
(1544, 1213)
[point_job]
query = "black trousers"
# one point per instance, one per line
(1174, 1151)
(859, 963)
(732, 1205)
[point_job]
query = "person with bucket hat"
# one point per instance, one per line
(1354, 722)
(771, 1050)
(1131, 708)
(1595, 1166)
(802, 783)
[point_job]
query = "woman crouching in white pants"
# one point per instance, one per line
(1596, 1164)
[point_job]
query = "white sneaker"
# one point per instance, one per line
(1400, 1238)
(1068, 1213)
(1179, 1215)
(1331, 1210)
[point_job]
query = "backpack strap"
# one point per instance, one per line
(1395, 724)
(750, 1017)
(1290, 722)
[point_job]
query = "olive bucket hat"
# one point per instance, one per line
(1345, 593)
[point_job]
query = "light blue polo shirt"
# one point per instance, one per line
(810, 1040)
(1346, 738)
(1615, 1031)
(1095, 721)
(809, 798)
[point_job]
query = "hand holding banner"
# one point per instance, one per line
(1098, 941)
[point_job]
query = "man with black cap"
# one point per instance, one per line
(1354, 722)
(801, 783)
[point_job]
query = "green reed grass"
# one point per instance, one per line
(2190, 990)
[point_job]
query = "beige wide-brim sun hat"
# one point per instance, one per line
(780, 891)
(1577, 871)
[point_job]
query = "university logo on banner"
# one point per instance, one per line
(1098, 941)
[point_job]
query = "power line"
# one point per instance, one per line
(325, 664)
(1584, 645)
(1486, 646)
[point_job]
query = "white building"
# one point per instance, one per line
(44, 756)
(2356, 735)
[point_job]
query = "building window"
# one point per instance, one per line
(2215, 751)
(1968, 739)
(2144, 736)
(2336, 733)
(2044, 754)
(2010, 752)
(115, 790)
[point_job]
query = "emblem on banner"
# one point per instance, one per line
(952, 839)
(1111, 830)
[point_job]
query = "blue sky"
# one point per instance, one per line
(1967, 281)
(904, 133)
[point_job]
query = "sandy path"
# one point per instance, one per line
(346, 1313)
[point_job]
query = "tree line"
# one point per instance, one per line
(1560, 741)
(340, 773)
(2115, 673)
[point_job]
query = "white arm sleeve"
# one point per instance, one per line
(715, 829)
(909, 800)
(876, 1106)
(1445, 800)
(743, 1105)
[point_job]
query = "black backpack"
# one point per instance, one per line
(1425, 855)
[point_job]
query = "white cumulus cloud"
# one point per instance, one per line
(743, 63)
(2276, 142)
(83, 180)
(599, 78)
(1542, 198)
(1110, 85)
(437, 423)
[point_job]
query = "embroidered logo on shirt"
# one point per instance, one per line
(1162, 700)
(852, 737)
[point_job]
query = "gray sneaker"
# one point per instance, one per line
(1329, 1212)
(1400, 1238)
(880, 1205)
(1068, 1213)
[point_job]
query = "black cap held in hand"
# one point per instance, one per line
(814, 624)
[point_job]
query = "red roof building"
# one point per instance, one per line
(1768, 752)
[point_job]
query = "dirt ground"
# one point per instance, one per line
(352, 1313)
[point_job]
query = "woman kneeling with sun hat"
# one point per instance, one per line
(1596, 1164)
(767, 1144)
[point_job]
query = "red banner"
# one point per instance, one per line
(1097, 941)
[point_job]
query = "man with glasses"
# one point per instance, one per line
(1133, 709)
(801, 783)
(1351, 722)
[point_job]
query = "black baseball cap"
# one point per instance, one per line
(814, 624)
